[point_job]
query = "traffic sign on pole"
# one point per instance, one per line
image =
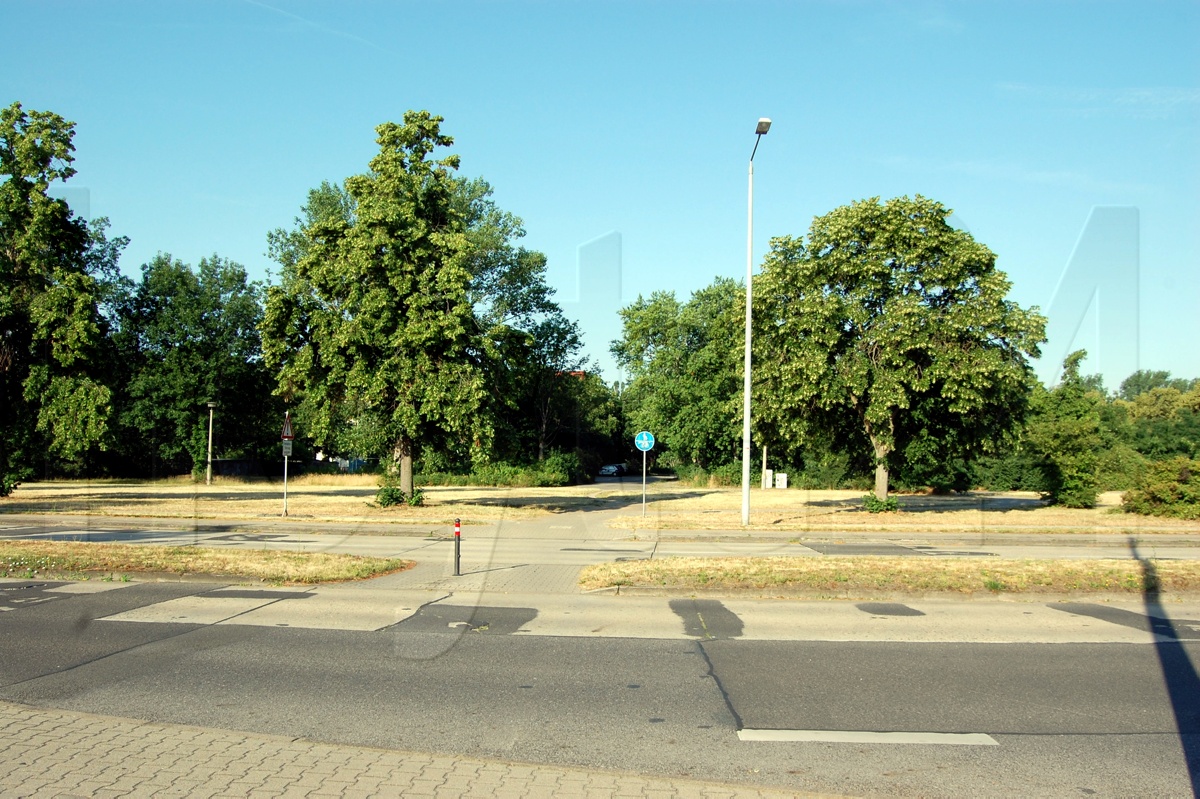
(645, 442)
(287, 434)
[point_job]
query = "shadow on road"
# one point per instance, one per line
(1179, 674)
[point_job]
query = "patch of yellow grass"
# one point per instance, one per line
(43, 558)
(321, 498)
(800, 511)
(867, 575)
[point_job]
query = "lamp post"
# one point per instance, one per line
(208, 473)
(764, 125)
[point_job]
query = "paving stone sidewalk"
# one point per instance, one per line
(56, 753)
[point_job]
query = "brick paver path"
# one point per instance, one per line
(56, 753)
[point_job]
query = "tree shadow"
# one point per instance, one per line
(1179, 674)
(925, 503)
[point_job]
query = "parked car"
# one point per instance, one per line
(613, 470)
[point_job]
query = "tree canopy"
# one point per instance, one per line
(684, 371)
(890, 319)
(189, 337)
(51, 328)
(372, 326)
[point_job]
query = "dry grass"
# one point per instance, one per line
(46, 558)
(874, 575)
(317, 498)
(671, 506)
(820, 511)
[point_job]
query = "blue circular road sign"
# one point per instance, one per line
(644, 441)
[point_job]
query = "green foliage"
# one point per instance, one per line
(505, 474)
(1175, 435)
(188, 337)
(1015, 470)
(1146, 380)
(54, 269)
(1119, 468)
(1167, 488)
(873, 504)
(372, 329)
(685, 372)
(827, 470)
(1064, 434)
(890, 322)
(391, 494)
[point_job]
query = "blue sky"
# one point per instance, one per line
(620, 133)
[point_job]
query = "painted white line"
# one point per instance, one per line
(859, 737)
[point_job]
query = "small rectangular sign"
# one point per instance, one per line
(287, 449)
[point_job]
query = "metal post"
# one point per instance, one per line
(746, 365)
(208, 473)
(457, 547)
(643, 484)
(285, 465)
(764, 125)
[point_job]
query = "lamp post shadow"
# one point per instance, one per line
(1179, 674)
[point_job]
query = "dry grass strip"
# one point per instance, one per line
(32, 559)
(866, 574)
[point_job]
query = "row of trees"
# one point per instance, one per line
(885, 343)
(407, 323)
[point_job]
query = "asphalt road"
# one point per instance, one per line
(1098, 719)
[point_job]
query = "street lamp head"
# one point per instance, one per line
(764, 125)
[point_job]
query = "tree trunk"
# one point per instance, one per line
(403, 454)
(881, 470)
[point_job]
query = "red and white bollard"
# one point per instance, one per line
(457, 546)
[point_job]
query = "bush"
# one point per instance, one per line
(729, 474)
(564, 465)
(828, 471)
(690, 475)
(1168, 488)
(390, 494)
(1119, 468)
(873, 504)
(1015, 471)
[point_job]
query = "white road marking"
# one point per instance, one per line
(860, 737)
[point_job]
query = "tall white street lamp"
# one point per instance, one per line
(208, 472)
(764, 125)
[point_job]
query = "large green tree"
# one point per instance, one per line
(56, 403)
(528, 349)
(684, 371)
(1064, 434)
(373, 323)
(890, 319)
(189, 337)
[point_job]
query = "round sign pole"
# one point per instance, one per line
(645, 442)
(643, 484)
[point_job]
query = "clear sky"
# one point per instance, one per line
(620, 132)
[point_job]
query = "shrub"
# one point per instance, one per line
(1119, 468)
(1013, 471)
(390, 493)
(729, 474)
(874, 504)
(1168, 488)
(827, 471)
(566, 465)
